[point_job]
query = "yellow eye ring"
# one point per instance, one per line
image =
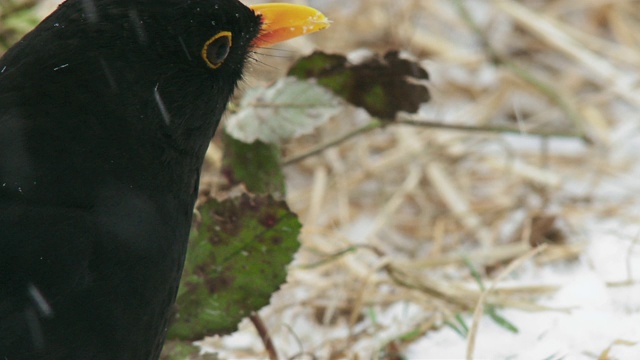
(216, 49)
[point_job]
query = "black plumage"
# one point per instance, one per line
(106, 111)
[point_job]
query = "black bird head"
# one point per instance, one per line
(162, 62)
(106, 110)
(105, 77)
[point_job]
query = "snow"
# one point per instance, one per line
(601, 289)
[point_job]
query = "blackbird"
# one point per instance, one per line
(106, 110)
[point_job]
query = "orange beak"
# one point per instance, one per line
(282, 22)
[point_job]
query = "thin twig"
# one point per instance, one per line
(489, 129)
(375, 124)
(264, 335)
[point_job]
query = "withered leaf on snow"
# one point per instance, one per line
(383, 85)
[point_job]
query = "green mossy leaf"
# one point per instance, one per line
(257, 165)
(237, 257)
(179, 350)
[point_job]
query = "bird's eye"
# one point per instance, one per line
(216, 49)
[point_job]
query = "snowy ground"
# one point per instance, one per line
(605, 310)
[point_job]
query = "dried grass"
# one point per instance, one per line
(395, 216)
